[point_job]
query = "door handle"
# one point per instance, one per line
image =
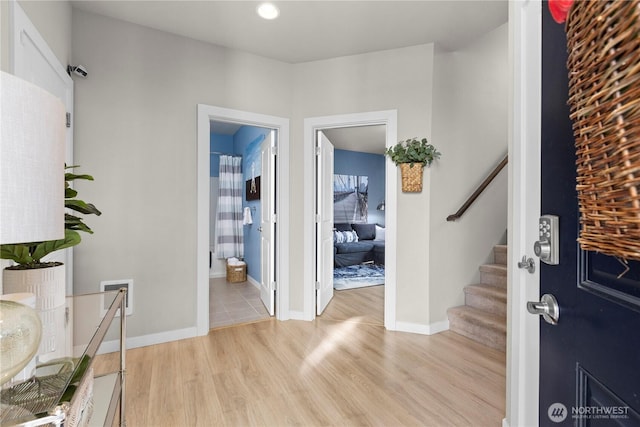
(547, 307)
(260, 229)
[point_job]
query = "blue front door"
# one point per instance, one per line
(590, 360)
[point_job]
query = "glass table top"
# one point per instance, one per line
(71, 336)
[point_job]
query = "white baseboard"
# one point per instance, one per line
(438, 327)
(253, 281)
(416, 328)
(219, 275)
(505, 423)
(298, 315)
(146, 340)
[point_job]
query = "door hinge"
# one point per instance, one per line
(275, 218)
(274, 150)
(317, 286)
(274, 286)
(318, 151)
(318, 218)
(68, 120)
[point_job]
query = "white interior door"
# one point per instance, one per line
(33, 60)
(324, 223)
(267, 222)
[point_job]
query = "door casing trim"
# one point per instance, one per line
(523, 330)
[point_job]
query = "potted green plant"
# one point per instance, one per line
(31, 273)
(412, 156)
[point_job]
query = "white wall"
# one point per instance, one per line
(470, 128)
(136, 133)
(394, 79)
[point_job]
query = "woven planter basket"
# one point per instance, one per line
(411, 177)
(604, 96)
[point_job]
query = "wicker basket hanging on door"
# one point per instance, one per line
(411, 177)
(604, 96)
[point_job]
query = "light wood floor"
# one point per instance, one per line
(362, 305)
(339, 370)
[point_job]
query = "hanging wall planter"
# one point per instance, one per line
(412, 156)
(411, 177)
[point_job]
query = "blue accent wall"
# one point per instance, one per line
(365, 164)
(247, 141)
(223, 144)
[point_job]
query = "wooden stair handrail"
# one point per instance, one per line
(479, 190)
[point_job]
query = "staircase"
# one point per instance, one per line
(483, 318)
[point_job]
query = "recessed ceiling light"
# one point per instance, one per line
(268, 11)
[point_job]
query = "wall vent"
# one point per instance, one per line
(114, 285)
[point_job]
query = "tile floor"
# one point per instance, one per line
(233, 303)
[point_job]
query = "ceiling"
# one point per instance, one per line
(365, 139)
(314, 30)
(224, 128)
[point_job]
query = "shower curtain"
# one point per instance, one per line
(230, 240)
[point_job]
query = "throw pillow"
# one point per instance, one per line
(345, 237)
(379, 233)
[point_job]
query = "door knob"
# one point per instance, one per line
(547, 307)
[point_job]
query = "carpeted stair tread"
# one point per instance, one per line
(500, 254)
(478, 325)
(483, 318)
(487, 290)
(494, 274)
(486, 297)
(498, 269)
(480, 317)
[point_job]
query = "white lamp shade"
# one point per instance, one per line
(32, 130)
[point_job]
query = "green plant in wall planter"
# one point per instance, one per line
(412, 156)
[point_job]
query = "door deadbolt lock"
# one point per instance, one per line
(547, 247)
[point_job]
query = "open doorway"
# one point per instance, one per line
(265, 147)
(319, 222)
(236, 228)
(354, 191)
